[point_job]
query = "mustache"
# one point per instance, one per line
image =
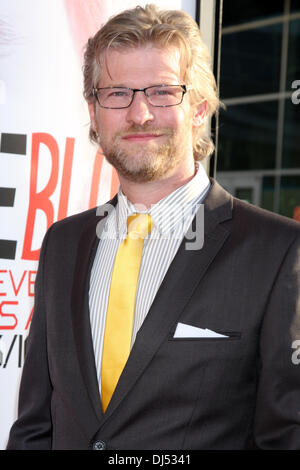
(148, 129)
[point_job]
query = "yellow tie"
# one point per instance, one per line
(121, 304)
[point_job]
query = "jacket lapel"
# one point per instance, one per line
(87, 248)
(182, 278)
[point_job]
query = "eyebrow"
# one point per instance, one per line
(119, 85)
(126, 86)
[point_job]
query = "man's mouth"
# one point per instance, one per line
(141, 137)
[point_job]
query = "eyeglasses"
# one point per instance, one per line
(122, 97)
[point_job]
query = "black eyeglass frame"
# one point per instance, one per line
(96, 90)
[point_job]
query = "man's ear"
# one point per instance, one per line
(200, 114)
(92, 112)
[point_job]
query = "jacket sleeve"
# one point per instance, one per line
(32, 429)
(277, 417)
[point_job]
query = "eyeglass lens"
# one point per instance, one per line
(156, 95)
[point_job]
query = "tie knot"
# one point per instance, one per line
(139, 225)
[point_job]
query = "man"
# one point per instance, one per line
(214, 325)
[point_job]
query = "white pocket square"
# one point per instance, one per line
(188, 331)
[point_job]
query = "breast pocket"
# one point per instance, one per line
(226, 336)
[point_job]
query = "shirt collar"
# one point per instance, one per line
(173, 208)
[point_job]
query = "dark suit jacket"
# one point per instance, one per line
(230, 393)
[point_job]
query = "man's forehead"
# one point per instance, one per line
(139, 48)
(115, 61)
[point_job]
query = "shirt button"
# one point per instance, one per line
(99, 445)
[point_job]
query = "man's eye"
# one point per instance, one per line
(164, 92)
(118, 93)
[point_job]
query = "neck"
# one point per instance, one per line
(149, 193)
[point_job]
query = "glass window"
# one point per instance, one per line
(291, 137)
(247, 137)
(295, 5)
(250, 10)
(289, 195)
(250, 62)
(245, 194)
(267, 196)
(293, 65)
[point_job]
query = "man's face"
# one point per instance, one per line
(143, 142)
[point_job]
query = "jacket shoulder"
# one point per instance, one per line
(76, 223)
(262, 219)
(245, 217)
(76, 219)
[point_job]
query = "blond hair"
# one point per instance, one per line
(138, 27)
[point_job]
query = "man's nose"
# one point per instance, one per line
(139, 112)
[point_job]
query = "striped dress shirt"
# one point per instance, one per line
(172, 217)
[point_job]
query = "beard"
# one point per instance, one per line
(144, 162)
